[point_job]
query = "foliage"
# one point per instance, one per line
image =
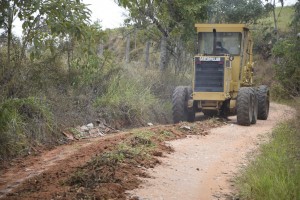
(287, 67)
(23, 124)
(236, 11)
(173, 21)
(264, 35)
(279, 93)
(296, 17)
(275, 173)
(264, 39)
(137, 96)
(43, 23)
(284, 19)
(128, 101)
(166, 15)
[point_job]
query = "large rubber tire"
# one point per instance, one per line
(180, 111)
(244, 107)
(191, 114)
(255, 106)
(263, 97)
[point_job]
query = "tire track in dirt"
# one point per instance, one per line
(202, 167)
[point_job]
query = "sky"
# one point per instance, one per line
(108, 12)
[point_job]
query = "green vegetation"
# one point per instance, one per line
(24, 123)
(284, 14)
(139, 145)
(287, 69)
(59, 63)
(275, 173)
(136, 96)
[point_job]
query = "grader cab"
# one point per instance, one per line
(222, 78)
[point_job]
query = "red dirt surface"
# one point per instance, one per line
(56, 174)
(197, 161)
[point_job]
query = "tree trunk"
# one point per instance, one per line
(101, 49)
(274, 16)
(135, 33)
(178, 57)
(163, 53)
(9, 35)
(127, 51)
(147, 51)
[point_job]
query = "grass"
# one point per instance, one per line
(284, 18)
(24, 123)
(137, 96)
(275, 173)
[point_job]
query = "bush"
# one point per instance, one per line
(279, 93)
(127, 100)
(137, 96)
(24, 123)
(287, 67)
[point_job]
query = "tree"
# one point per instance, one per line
(270, 6)
(43, 19)
(296, 17)
(287, 51)
(172, 18)
(236, 11)
(45, 24)
(127, 49)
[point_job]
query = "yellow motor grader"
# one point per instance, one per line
(222, 78)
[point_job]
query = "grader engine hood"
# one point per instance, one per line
(209, 74)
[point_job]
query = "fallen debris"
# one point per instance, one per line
(187, 128)
(88, 131)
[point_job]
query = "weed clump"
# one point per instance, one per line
(101, 169)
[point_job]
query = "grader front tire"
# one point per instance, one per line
(190, 111)
(179, 104)
(245, 106)
(180, 98)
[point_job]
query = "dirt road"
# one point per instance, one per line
(200, 167)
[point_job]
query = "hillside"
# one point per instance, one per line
(284, 15)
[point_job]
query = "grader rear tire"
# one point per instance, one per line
(179, 100)
(255, 106)
(263, 97)
(244, 106)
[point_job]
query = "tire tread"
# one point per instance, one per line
(263, 102)
(243, 106)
